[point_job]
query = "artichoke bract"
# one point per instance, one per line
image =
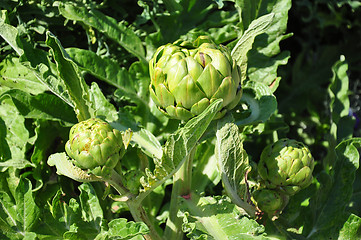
(286, 165)
(186, 77)
(94, 145)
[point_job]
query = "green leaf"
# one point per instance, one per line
(38, 61)
(266, 56)
(90, 206)
(16, 76)
(15, 163)
(121, 228)
(9, 34)
(178, 147)
(204, 174)
(117, 31)
(5, 152)
(232, 162)
(351, 228)
(260, 103)
(16, 133)
(244, 44)
(216, 218)
(75, 84)
(340, 193)
(142, 137)
(103, 68)
(80, 218)
(339, 101)
(8, 213)
(65, 167)
(101, 105)
(42, 106)
(338, 90)
(27, 211)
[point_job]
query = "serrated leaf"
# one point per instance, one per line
(266, 56)
(42, 106)
(27, 211)
(117, 31)
(338, 90)
(217, 219)
(347, 163)
(15, 75)
(339, 101)
(65, 167)
(75, 84)
(177, 148)
(244, 44)
(103, 68)
(232, 162)
(36, 60)
(121, 228)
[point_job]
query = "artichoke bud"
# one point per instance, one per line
(270, 201)
(95, 146)
(286, 165)
(187, 77)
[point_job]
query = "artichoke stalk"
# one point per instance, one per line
(186, 77)
(287, 166)
(94, 145)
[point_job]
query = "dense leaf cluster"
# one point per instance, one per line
(62, 62)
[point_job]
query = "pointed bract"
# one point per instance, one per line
(186, 76)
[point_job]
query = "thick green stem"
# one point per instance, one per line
(135, 208)
(182, 182)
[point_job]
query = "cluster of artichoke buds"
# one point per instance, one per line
(186, 77)
(285, 168)
(95, 146)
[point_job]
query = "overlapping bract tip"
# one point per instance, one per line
(286, 165)
(187, 77)
(94, 145)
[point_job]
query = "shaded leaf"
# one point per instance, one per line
(42, 106)
(27, 211)
(75, 84)
(244, 44)
(347, 162)
(260, 104)
(117, 31)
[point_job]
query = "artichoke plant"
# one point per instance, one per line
(187, 77)
(94, 145)
(270, 201)
(286, 165)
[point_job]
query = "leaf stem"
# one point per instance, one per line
(182, 182)
(135, 208)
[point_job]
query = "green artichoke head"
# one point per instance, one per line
(94, 145)
(187, 77)
(286, 165)
(269, 200)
